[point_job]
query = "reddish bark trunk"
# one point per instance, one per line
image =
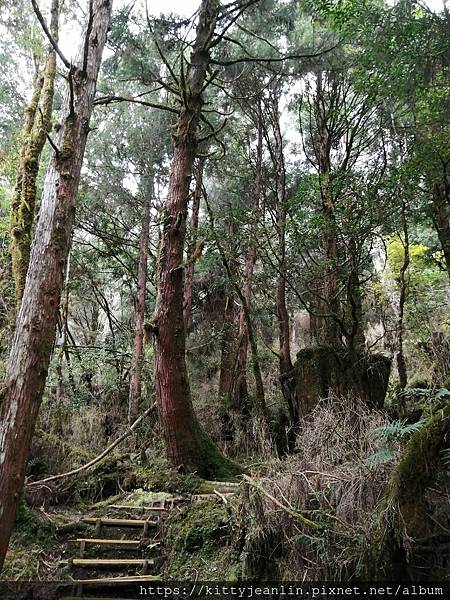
(188, 447)
(134, 398)
(240, 395)
(36, 323)
(192, 250)
(285, 361)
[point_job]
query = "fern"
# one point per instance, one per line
(397, 430)
(429, 394)
(380, 457)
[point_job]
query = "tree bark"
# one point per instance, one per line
(240, 394)
(193, 249)
(134, 398)
(36, 322)
(228, 349)
(401, 363)
(326, 326)
(35, 131)
(188, 447)
(285, 361)
(441, 204)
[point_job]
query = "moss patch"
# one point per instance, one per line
(31, 538)
(199, 539)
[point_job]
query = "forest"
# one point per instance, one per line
(224, 294)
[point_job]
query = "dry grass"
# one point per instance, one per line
(330, 483)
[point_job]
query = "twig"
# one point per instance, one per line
(98, 458)
(53, 145)
(87, 38)
(295, 514)
(48, 34)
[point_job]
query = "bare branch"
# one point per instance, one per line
(260, 59)
(105, 100)
(48, 34)
(87, 37)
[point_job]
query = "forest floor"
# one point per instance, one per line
(309, 515)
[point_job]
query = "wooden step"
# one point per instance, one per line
(106, 542)
(143, 508)
(107, 522)
(111, 562)
(198, 497)
(124, 579)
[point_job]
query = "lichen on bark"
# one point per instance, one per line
(37, 125)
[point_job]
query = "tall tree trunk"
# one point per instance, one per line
(240, 394)
(285, 361)
(441, 208)
(228, 347)
(260, 402)
(134, 398)
(401, 364)
(37, 126)
(229, 329)
(36, 322)
(188, 447)
(192, 248)
(330, 334)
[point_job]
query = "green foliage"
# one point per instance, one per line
(397, 430)
(200, 541)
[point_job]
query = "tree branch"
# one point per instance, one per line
(48, 34)
(98, 458)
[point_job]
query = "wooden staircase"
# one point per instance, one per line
(135, 539)
(133, 535)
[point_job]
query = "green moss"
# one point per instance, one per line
(418, 468)
(216, 466)
(153, 478)
(30, 539)
(199, 539)
(403, 518)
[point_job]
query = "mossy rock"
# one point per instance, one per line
(199, 539)
(199, 526)
(322, 370)
(154, 479)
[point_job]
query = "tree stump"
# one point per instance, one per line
(322, 370)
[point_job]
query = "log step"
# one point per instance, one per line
(155, 508)
(106, 542)
(111, 562)
(119, 522)
(124, 579)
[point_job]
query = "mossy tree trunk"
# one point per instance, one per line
(34, 336)
(188, 447)
(37, 125)
(134, 396)
(441, 209)
(403, 521)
